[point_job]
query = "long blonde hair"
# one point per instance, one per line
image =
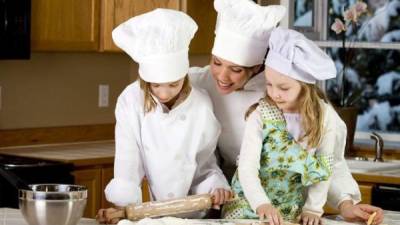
(311, 112)
(149, 102)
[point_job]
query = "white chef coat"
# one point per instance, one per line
(230, 110)
(174, 150)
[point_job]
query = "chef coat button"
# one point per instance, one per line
(182, 117)
(170, 195)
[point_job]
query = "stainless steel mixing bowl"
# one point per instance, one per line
(53, 204)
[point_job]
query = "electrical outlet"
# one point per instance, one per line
(103, 95)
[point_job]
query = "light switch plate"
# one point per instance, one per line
(103, 95)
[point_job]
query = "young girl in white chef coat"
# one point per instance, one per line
(287, 150)
(165, 128)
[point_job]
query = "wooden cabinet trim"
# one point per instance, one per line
(49, 135)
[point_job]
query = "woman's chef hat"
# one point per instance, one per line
(293, 55)
(159, 42)
(242, 30)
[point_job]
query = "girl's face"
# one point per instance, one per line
(167, 92)
(283, 90)
(229, 77)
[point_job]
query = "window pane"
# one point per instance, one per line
(381, 24)
(376, 74)
(303, 13)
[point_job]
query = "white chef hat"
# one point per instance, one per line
(242, 30)
(159, 41)
(295, 56)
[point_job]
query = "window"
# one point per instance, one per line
(374, 67)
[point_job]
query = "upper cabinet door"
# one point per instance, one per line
(65, 25)
(203, 12)
(114, 12)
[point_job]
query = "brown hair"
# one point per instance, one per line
(149, 102)
(311, 112)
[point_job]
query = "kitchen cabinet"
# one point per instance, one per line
(203, 12)
(58, 25)
(145, 191)
(96, 178)
(86, 25)
(366, 193)
(91, 178)
(114, 12)
(269, 2)
(107, 174)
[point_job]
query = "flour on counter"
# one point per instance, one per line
(171, 221)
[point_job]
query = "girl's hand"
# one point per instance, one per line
(103, 216)
(271, 213)
(310, 219)
(220, 196)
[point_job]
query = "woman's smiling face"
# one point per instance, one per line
(228, 76)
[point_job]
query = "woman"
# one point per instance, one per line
(235, 80)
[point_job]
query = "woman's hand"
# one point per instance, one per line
(310, 219)
(105, 216)
(220, 196)
(267, 211)
(360, 212)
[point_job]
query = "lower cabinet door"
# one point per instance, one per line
(107, 173)
(91, 178)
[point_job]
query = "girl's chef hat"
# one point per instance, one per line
(293, 55)
(242, 30)
(159, 42)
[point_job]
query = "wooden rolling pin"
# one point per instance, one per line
(163, 208)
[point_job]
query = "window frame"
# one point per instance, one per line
(321, 29)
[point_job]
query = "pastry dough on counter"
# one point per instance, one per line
(180, 221)
(170, 221)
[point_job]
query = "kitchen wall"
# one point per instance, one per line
(61, 89)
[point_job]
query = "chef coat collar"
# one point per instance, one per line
(182, 99)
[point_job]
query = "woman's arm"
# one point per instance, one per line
(343, 186)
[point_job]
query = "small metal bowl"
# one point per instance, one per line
(53, 204)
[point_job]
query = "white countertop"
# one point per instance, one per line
(14, 217)
(80, 154)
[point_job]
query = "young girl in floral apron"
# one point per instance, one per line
(287, 150)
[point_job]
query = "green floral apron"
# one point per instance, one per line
(285, 170)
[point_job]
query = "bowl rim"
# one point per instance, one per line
(53, 195)
(80, 187)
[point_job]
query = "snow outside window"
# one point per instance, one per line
(375, 62)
